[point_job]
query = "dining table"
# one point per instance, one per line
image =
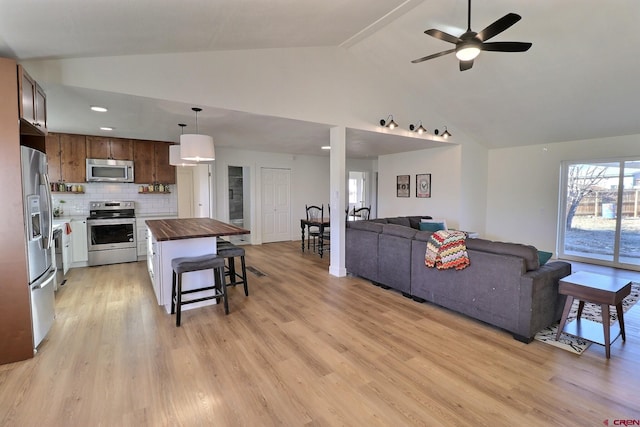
(321, 223)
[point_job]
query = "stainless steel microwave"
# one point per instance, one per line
(108, 170)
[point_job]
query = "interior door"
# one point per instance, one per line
(276, 205)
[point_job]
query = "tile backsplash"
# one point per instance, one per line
(146, 204)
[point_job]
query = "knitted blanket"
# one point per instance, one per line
(447, 249)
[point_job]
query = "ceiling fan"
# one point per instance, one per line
(469, 44)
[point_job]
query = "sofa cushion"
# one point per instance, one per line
(423, 236)
(399, 231)
(399, 220)
(544, 256)
(526, 252)
(376, 227)
(414, 221)
(433, 226)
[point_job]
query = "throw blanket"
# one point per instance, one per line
(447, 249)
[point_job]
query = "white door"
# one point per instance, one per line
(184, 184)
(276, 209)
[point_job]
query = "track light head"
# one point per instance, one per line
(389, 122)
(418, 128)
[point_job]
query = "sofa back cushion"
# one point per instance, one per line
(399, 231)
(399, 220)
(527, 252)
(373, 226)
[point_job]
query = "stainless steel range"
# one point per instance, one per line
(111, 232)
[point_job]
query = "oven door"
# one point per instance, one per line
(105, 234)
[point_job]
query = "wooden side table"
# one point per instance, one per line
(597, 289)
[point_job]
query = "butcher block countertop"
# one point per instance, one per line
(191, 228)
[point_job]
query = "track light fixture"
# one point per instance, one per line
(445, 134)
(419, 128)
(389, 122)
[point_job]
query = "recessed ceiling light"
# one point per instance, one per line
(326, 147)
(99, 109)
(106, 128)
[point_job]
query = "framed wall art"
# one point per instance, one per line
(423, 185)
(402, 182)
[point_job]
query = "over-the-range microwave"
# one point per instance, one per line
(109, 170)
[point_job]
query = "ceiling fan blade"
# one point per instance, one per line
(441, 35)
(499, 26)
(506, 46)
(435, 55)
(466, 65)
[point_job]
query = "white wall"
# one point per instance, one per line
(523, 186)
(309, 183)
(444, 165)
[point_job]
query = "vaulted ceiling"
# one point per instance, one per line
(578, 81)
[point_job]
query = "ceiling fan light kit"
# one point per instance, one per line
(470, 44)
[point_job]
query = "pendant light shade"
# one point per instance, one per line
(174, 152)
(174, 157)
(195, 147)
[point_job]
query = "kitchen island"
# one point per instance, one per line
(172, 238)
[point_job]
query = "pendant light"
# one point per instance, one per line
(174, 153)
(195, 147)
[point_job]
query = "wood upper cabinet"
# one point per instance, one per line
(100, 147)
(52, 148)
(32, 105)
(73, 158)
(165, 173)
(151, 163)
(66, 156)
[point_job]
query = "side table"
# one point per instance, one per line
(597, 289)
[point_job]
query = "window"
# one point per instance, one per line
(600, 212)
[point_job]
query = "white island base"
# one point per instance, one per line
(159, 259)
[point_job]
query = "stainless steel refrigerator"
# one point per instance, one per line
(36, 193)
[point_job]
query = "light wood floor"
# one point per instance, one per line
(304, 348)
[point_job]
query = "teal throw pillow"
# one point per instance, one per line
(432, 226)
(543, 257)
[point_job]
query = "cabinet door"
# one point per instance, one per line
(143, 158)
(164, 173)
(73, 157)
(79, 248)
(121, 149)
(27, 90)
(40, 101)
(98, 147)
(52, 148)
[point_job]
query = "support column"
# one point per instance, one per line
(337, 189)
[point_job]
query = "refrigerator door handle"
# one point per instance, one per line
(47, 186)
(45, 281)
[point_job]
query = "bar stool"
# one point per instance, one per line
(187, 264)
(229, 251)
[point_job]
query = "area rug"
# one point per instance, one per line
(590, 312)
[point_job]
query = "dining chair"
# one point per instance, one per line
(362, 213)
(313, 231)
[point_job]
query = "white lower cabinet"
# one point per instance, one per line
(141, 234)
(79, 247)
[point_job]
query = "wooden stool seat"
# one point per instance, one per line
(188, 264)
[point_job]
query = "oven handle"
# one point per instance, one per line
(113, 221)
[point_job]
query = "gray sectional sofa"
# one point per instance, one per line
(503, 286)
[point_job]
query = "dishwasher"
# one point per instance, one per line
(57, 258)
